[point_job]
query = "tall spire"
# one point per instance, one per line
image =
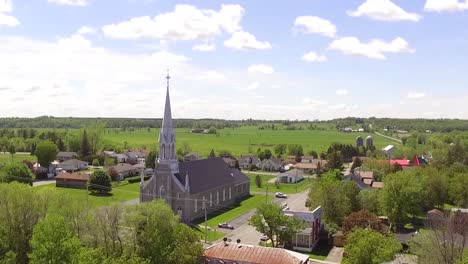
(167, 135)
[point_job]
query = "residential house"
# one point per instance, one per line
(72, 180)
(121, 158)
(231, 253)
(125, 170)
(194, 187)
(73, 165)
(192, 157)
(272, 164)
(136, 156)
(308, 238)
(291, 159)
(230, 161)
(314, 166)
(291, 176)
(307, 159)
(249, 161)
(63, 155)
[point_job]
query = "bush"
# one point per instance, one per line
(100, 182)
(258, 181)
(96, 163)
(277, 184)
(16, 171)
(113, 173)
(137, 179)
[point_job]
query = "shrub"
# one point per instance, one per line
(96, 163)
(258, 181)
(100, 182)
(277, 184)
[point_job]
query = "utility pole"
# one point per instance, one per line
(206, 221)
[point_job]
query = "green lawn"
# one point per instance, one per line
(226, 215)
(6, 157)
(237, 140)
(119, 194)
(287, 188)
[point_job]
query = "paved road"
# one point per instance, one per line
(45, 182)
(246, 233)
(261, 172)
(392, 138)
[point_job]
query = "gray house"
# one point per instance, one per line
(64, 155)
(73, 165)
(272, 164)
(248, 161)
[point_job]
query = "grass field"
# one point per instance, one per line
(237, 140)
(6, 157)
(287, 188)
(119, 194)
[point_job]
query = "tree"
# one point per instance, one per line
(357, 163)
(401, 196)
(150, 161)
(96, 132)
(436, 187)
(212, 154)
(335, 161)
(60, 144)
(369, 200)
(458, 190)
(46, 152)
(12, 150)
(21, 208)
(295, 150)
(363, 219)
(160, 237)
(270, 220)
(280, 149)
(113, 173)
(368, 246)
(85, 147)
(16, 171)
(313, 153)
(96, 163)
(100, 182)
(267, 153)
(258, 181)
(109, 161)
(53, 242)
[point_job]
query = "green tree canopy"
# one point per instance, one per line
(16, 171)
(100, 182)
(366, 246)
(46, 152)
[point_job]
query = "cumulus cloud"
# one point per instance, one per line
(204, 47)
(69, 2)
(186, 22)
(250, 87)
(260, 68)
(313, 57)
(384, 10)
(415, 95)
(84, 30)
(242, 40)
(341, 92)
(314, 24)
(445, 5)
(375, 49)
(6, 19)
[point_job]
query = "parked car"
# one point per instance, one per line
(280, 195)
(225, 225)
(263, 237)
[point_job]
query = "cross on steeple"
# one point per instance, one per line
(167, 78)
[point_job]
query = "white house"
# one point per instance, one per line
(73, 165)
(291, 176)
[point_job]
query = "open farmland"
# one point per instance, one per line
(237, 140)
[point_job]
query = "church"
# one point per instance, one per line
(193, 186)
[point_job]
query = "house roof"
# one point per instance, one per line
(308, 216)
(254, 254)
(67, 154)
(366, 174)
(403, 163)
(136, 154)
(208, 174)
(73, 162)
(293, 172)
(377, 185)
(124, 167)
(73, 176)
(367, 181)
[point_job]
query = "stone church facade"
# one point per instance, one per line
(191, 187)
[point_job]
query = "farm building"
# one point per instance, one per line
(291, 176)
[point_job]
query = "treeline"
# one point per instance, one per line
(44, 226)
(414, 125)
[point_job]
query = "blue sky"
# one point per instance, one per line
(310, 59)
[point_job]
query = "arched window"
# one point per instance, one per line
(163, 156)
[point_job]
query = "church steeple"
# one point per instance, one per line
(167, 135)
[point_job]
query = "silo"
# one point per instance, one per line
(369, 141)
(359, 141)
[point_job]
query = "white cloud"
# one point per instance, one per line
(251, 87)
(341, 92)
(6, 7)
(84, 30)
(312, 101)
(260, 68)
(445, 5)
(384, 10)
(313, 57)
(69, 2)
(314, 24)
(204, 47)
(415, 95)
(186, 22)
(242, 40)
(375, 49)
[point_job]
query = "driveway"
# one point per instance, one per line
(335, 255)
(44, 182)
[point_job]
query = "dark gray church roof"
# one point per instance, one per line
(208, 174)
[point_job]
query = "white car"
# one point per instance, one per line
(280, 195)
(263, 237)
